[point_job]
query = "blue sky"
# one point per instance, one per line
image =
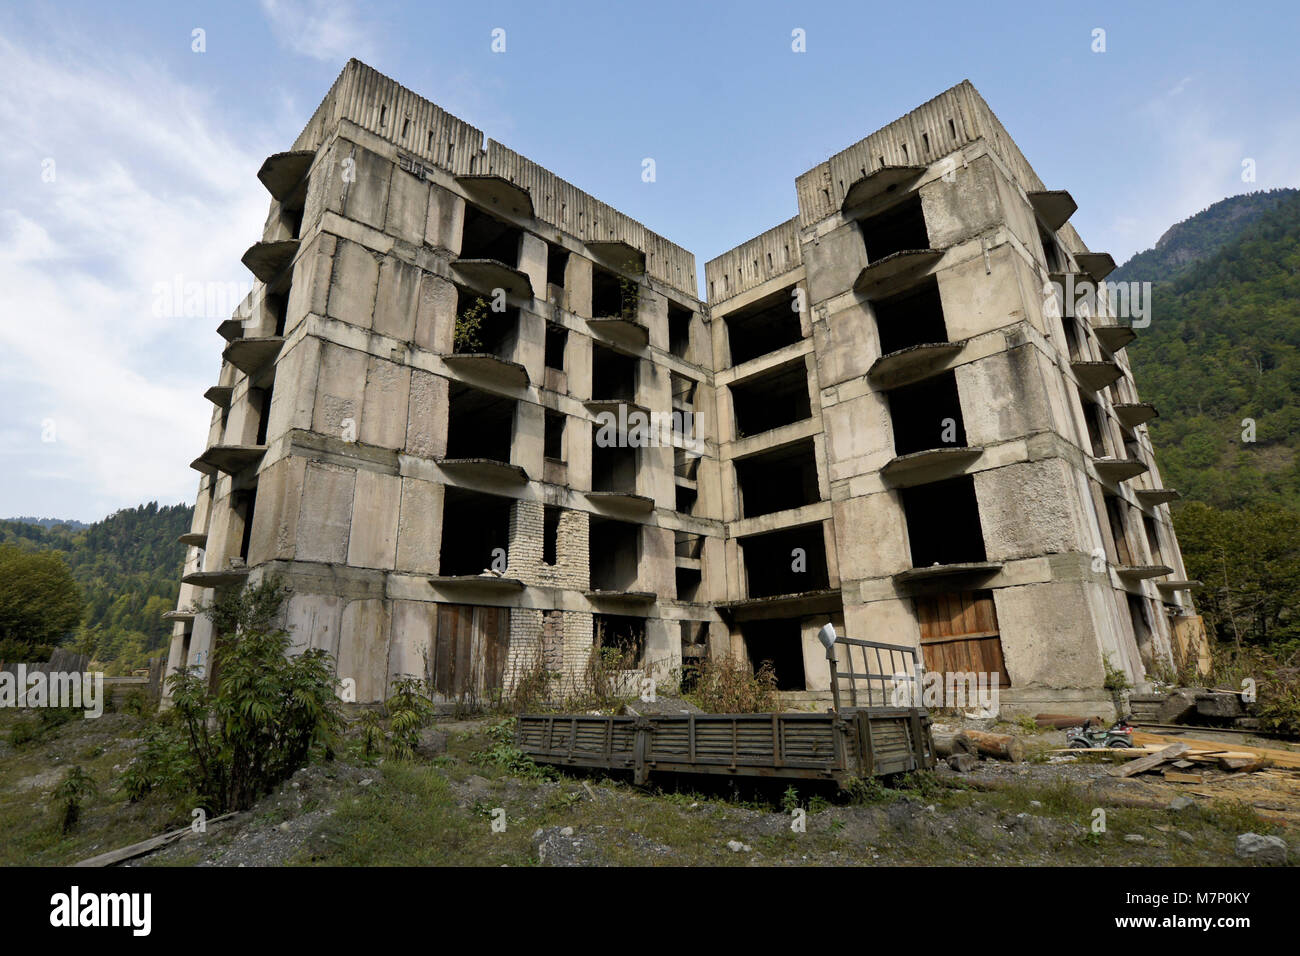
(127, 159)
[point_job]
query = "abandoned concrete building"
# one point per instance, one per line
(899, 422)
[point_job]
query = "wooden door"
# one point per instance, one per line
(959, 632)
(469, 653)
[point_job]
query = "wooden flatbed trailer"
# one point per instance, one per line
(843, 743)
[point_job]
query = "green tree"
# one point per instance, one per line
(40, 603)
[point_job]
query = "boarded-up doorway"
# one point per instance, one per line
(959, 633)
(469, 650)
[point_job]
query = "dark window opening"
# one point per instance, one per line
(550, 533)
(898, 228)
(553, 439)
(612, 295)
(1153, 539)
(780, 643)
(263, 397)
(277, 308)
(943, 522)
(613, 375)
(557, 339)
(486, 237)
(927, 414)
(762, 327)
(557, 259)
(621, 634)
(775, 398)
(1141, 623)
(912, 318)
(614, 549)
(1071, 328)
(245, 505)
(688, 584)
(479, 424)
(789, 561)
(777, 480)
(475, 531)
(1115, 518)
(686, 499)
(1051, 251)
(1096, 423)
(613, 468)
(479, 330)
(679, 330)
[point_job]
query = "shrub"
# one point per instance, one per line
(260, 723)
(77, 786)
(728, 686)
(410, 709)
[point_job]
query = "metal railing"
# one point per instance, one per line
(895, 664)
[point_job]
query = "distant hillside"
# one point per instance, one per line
(128, 567)
(47, 522)
(1224, 346)
(1199, 237)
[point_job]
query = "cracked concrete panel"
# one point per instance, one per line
(354, 284)
(311, 273)
(275, 519)
(340, 388)
(833, 261)
(363, 647)
(419, 527)
(383, 413)
(445, 221)
(426, 415)
(325, 513)
(408, 207)
(435, 314)
(313, 621)
(1049, 635)
(396, 298)
(366, 197)
(1028, 509)
(871, 536)
(976, 300)
(375, 503)
(858, 436)
(410, 647)
(1002, 395)
(847, 344)
(963, 207)
(295, 387)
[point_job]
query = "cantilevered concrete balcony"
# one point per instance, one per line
(620, 254)
(1094, 376)
(896, 264)
(281, 173)
(250, 356)
(964, 570)
(923, 467)
(622, 330)
(266, 260)
(1115, 470)
(1132, 414)
(802, 602)
(1098, 265)
(193, 539)
(912, 364)
(219, 395)
(1113, 335)
(1054, 207)
(227, 578)
(484, 469)
(615, 407)
(878, 182)
(487, 367)
(228, 459)
(1140, 572)
(621, 599)
(231, 329)
(497, 194)
(625, 502)
(477, 584)
(173, 616)
(484, 275)
(1150, 497)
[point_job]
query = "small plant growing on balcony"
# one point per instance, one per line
(629, 287)
(469, 324)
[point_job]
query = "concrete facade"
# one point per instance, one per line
(891, 420)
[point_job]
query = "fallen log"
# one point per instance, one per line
(1062, 721)
(1002, 746)
(943, 744)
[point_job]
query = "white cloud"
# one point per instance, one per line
(146, 186)
(329, 30)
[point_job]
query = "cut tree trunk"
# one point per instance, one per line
(1002, 746)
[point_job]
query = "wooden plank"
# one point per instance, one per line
(1177, 776)
(144, 847)
(1279, 758)
(1150, 761)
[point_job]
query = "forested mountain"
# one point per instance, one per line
(1222, 354)
(128, 568)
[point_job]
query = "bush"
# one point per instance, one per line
(260, 724)
(410, 709)
(728, 686)
(76, 788)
